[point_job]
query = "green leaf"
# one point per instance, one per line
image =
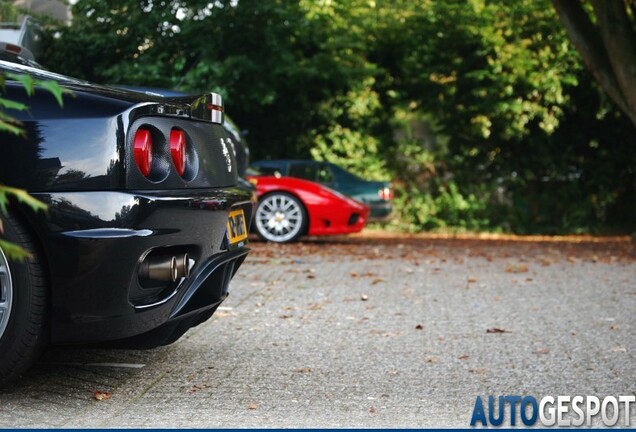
(12, 128)
(22, 196)
(13, 251)
(9, 104)
(27, 81)
(55, 89)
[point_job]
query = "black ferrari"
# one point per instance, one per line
(146, 223)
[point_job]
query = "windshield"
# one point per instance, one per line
(341, 173)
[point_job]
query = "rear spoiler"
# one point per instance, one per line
(207, 107)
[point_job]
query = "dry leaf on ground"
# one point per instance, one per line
(101, 395)
(496, 330)
(517, 268)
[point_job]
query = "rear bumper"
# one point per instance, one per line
(380, 211)
(94, 243)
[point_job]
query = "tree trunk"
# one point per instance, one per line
(608, 48)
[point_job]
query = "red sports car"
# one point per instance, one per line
(290, 207)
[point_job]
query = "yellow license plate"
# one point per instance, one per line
(236, 226)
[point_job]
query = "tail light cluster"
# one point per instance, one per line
(178, 150)
(386, 193)
(143, 150)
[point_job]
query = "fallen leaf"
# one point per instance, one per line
(101, 396)
(542, 351)
(545, 261)
(372, 410)
(377, 281)
(496, 330)
(517, 268)
(614, 327)
(311, 276)
(472, 280)
(419, 327)
(285, 316)
(252, 406)
(354, 274)
(303, 370)
(463, 357)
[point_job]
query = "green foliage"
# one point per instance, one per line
(13, 251)
(518, 139)
(10, 125)
(443, 208)
(21, 196)
(8, 12)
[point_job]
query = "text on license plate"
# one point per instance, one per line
(236, 226)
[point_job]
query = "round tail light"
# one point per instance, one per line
(178, 150)
(386, 193)
(142, 151)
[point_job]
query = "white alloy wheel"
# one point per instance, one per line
(280, 217)
(6, 292)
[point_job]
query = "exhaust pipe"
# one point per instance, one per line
(160, 268)
(183, 265)
(166, 268)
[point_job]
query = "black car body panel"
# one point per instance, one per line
(105, 218)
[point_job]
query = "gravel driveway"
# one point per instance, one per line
(365, 331)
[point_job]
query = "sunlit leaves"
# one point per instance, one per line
(22, 196)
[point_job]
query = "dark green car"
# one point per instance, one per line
(376, 194)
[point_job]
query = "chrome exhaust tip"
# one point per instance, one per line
(160, 268)
(183, 265)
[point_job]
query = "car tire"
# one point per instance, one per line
(23, 303)
(280, 218)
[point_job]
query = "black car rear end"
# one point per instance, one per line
(146, 221)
